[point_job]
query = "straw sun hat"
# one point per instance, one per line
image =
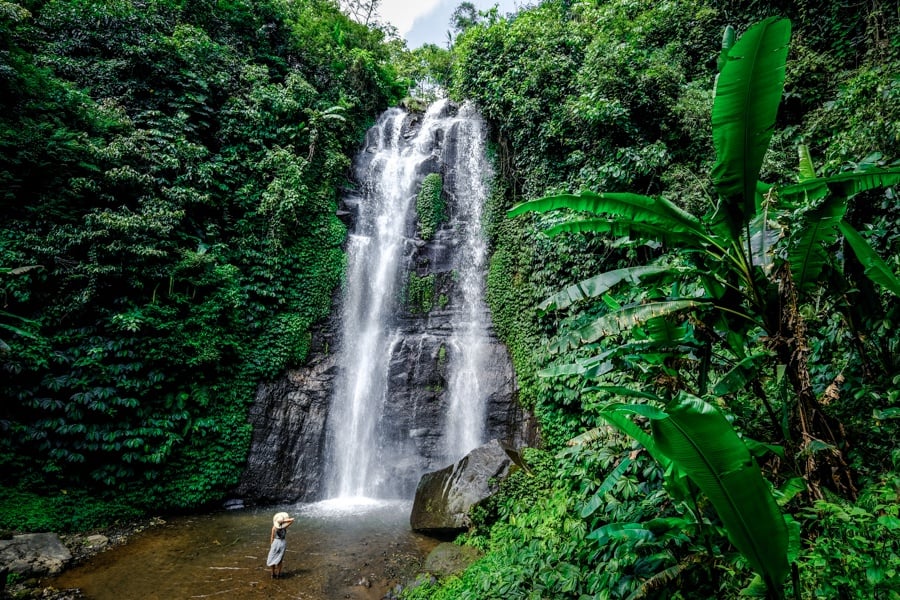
(279, 518)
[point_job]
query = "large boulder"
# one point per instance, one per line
(34, 554)
(443, 498)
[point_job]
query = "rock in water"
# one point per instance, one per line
(444, 498)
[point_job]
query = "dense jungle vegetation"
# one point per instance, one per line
(169, 181)
(168, 237)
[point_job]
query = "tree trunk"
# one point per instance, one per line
(818, 441)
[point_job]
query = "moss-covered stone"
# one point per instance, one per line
(420, 291)
(430, 205)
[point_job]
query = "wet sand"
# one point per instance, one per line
(357, 550)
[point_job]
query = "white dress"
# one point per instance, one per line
(276, 550)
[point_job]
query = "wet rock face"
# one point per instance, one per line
(417, 380)
(288, 418)
(444, 498)
(34, 554)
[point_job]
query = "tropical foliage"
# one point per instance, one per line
(169, 234)
(430, 205)
(679, 329)
(698, 291)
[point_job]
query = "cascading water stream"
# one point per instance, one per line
(369, 452)
(466, 412)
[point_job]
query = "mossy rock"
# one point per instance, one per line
(430, 205)
(450, 559)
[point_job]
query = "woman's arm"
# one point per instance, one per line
(289, 522)
(272, 537)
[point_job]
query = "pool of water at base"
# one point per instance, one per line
(347, 548)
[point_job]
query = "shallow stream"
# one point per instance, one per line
(335, 549)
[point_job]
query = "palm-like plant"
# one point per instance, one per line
(749, 264)
(750, 268)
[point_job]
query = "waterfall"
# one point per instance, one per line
(469, 341)
(411, 389)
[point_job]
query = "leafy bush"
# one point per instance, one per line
(66, 511)
(420, 291)
(854, 550)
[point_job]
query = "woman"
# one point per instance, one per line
(280, 522)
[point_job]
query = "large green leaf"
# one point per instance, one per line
(635, 230)
(631, 316)
(817, 229)
(608, 484)
(748, 92)
(846, 185)
(764, 233)
(626, 206)
(661, 335)
(599, 285)
(635, 532)
(698, 438)
(665, 332)
(617, 415)
(806, 169)
(741, 374)
(875, 268)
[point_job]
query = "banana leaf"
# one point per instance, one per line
(741, 374)
(597, 499)
(698, 438)
(645, 410)
(728, 37)
(664, 333)
(807, 250)
(748, 92)
(789, 489)
(632, 230)
(764, 234)
(845, 185)
(806, 170)
(616, 415)
(636, 532)
(580, 367)
(593, 366)
(626, 206)
(875, 268)
(599, 285)
(631, 316)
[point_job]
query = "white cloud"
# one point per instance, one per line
(403, 13)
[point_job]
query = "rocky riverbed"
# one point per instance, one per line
(80, 547)
(356, 552)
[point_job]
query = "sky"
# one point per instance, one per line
(427, 21)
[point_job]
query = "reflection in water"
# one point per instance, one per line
(332, 548)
